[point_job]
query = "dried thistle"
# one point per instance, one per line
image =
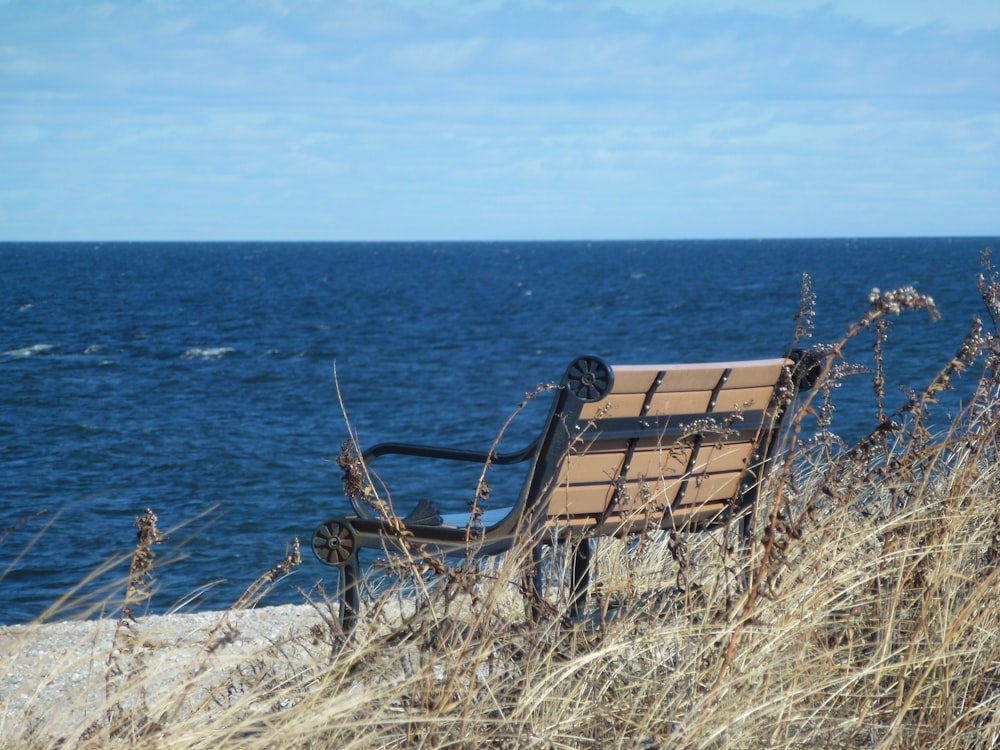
(256, 590)
(805, 317)
(353, 479)
(121, 671)
(905, 298)
(989, 288)
(139, 586)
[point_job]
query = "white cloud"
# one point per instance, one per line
(14, 64)
(960, 16)
(437, 57)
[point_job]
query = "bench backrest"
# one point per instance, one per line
(673, 446)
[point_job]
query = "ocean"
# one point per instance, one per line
(204, 380)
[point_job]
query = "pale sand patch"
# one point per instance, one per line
(54, 677)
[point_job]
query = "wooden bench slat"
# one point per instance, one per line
(617, 524)
(696, 377)
(721, 458)
(679, 402)
(654, 462)
(593, 499)
(624, 404)
(729, 399)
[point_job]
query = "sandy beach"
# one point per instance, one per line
(59, 672)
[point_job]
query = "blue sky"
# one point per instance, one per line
(528, 119)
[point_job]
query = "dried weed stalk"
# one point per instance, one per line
(127, 714)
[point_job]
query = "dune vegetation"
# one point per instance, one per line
(864, 613)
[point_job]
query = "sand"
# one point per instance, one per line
(55, 677)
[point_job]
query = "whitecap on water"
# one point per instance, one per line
(30, 351)
(208, 352)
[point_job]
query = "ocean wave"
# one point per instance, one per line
(30, 351)
(208, 352)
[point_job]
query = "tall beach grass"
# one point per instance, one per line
(865, 613)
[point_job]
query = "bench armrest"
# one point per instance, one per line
(451, 454)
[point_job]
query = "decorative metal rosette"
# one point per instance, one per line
(333, 542)
(589, 379)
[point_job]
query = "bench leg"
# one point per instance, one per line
(579, 581)
(747, 525)
(349, 598)
(744, 546)
(537, 584)
(581, 577)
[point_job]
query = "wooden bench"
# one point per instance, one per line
(624, 449)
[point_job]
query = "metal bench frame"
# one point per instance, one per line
(586, 419)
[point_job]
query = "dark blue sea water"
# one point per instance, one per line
(199, 379)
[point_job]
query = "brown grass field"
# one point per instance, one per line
(866, 614)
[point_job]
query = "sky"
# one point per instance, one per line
(498, 119)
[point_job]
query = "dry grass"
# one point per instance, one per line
(867, 615)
